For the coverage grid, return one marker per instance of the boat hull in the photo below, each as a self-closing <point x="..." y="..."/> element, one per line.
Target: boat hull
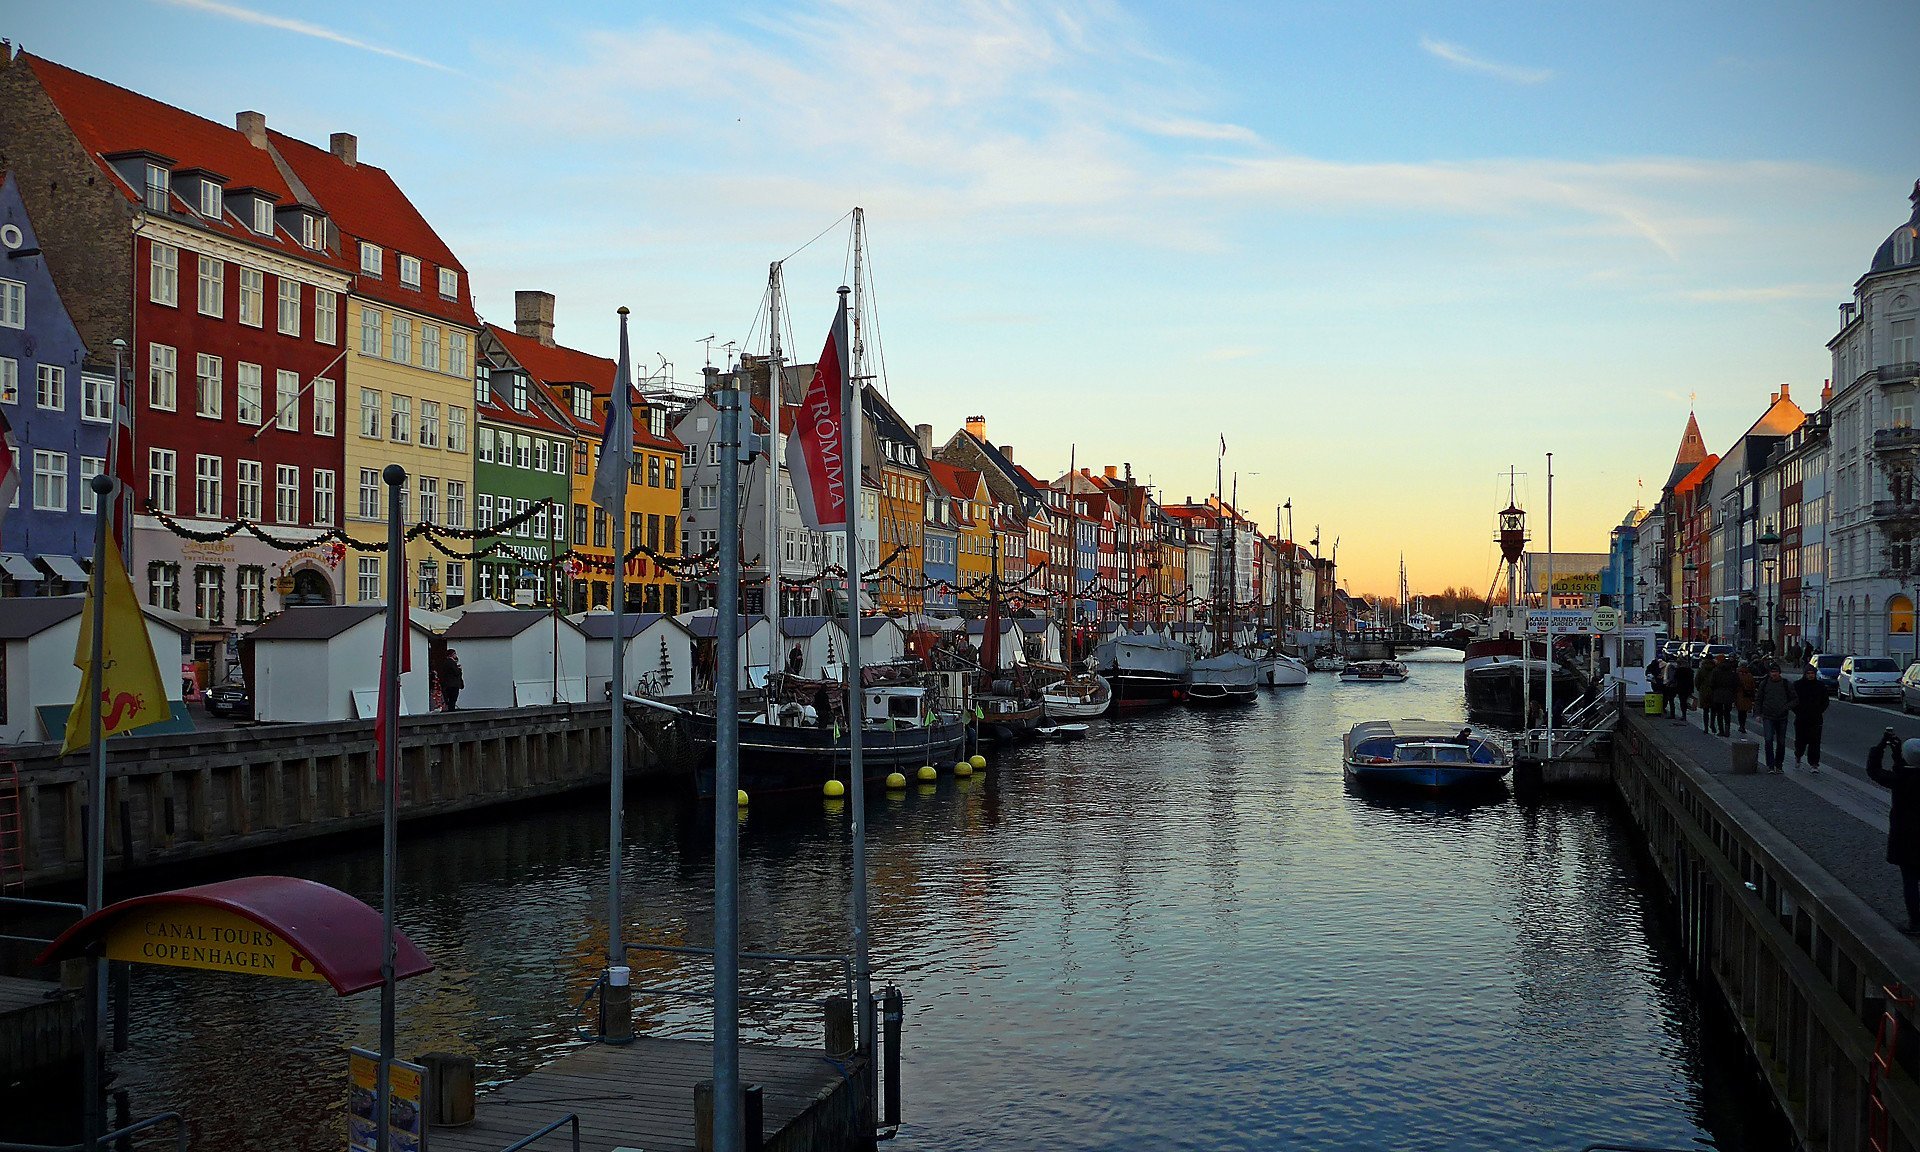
<point x="1140" y="691"/>
<point x="1427" y="777"/>
<point x="1282" y="672"/>
<point x="1064" y="705"/>
<point x="1219" y="695"/>
<point x="1495" y="693"/>
<point x="775" y="760"/>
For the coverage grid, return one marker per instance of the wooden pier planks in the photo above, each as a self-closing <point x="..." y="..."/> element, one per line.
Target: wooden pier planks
<point x="641" y="1096"/>
<point x="39" y="1025"/>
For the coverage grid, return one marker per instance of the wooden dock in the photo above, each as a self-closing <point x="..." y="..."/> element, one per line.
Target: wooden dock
<point x="641" y="1096"/>
<point x="39" y="1025"/>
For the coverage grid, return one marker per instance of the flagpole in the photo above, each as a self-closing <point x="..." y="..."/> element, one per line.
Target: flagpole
<point x="855" y="409"/>
<point x="616" y="1017"/>
<point x="396" y="478"/>
<point x="96" y="1118"/>
<point x="729" y="1131"/>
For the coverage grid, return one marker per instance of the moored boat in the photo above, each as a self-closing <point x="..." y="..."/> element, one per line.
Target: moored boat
<point x="1499" y="688"/>
<point x="1061" y="733"/>
<point x="1279" y="670"/>
<point x="1220" y="681"/>
<point x="1078" y="697"/>
<point x="1373" y="672"/>
<point x="1423" y="754"/>
<point x="1145" y="669"/>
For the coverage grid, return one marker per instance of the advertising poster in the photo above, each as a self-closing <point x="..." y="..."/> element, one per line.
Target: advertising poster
<point x="406" y="1114"/>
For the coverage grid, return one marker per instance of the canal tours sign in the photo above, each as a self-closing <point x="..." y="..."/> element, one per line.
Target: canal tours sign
<point x="276" y="926"/>
<point x="1599" y="621"/>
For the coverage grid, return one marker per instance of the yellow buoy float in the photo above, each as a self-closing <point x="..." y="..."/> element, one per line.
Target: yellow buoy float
<point x="927" y="773"/>
<point x="896" y="780"/>
<point x="963" y="769"/>
<point x="833" y="789"/>
<point x="740" y="798"/>
<point x="978" y="761"/>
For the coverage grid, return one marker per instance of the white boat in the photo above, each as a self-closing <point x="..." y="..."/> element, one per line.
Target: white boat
<point x="1062" y="733"/>
<point x="1078" y="697"/>
<point x="1279" y="670"/>
<point x="1330" y="662"/>
<point x="1373" y="672"/>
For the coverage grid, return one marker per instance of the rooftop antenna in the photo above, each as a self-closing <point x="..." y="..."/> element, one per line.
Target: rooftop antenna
<point x="708" y="341"/>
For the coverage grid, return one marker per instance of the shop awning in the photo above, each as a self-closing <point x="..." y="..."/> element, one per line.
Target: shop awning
<point x="20" y="568"/>
<point x="65" y="567"/>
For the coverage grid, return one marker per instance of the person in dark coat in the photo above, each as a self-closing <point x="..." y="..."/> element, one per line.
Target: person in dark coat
<point x="1773" y="702"/>
<point x="1809" y="716"/>
<point x="1703" y="691"/>
<point x="452" y="680"/>
<point x="1726" y="687"/>
<point x="1680" y="684"/>
<point x="1744" y="693"/>
<point x="1897" y="769"/>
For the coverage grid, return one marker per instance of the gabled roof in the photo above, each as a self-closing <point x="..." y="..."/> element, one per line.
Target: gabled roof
<point x="496" y="625"/>
<point x="1693" y="449"/>
<point x="320" y="622"/>
<point x="1693" y="478"/>
<point x="366" y="204"/>
<point x="799" y="627"/>
<point x="888" y="425"/>
<point x="110" y="120"/>
<point x="599" y="625"/>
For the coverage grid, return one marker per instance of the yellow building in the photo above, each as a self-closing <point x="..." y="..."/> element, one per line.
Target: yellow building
<point x="897" y="461"/>
<point x="972" y="521"/>
<point x="410" y="334"/>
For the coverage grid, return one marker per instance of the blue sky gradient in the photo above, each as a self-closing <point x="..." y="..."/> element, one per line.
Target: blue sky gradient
<point x="1386" y="248"/>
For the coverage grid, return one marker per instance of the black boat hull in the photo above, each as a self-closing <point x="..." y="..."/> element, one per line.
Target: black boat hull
<point x="1138" y="691"/>
<point x="778" y="760"/>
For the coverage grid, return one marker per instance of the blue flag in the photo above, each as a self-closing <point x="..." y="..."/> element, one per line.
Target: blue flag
<point x="616" y="441"/>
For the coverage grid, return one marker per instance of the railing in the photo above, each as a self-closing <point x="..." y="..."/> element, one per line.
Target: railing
<point x="179" y="1136"/>
<point x="7" y="902"/>
<point x="1894" y="439"/>
<point x="572" y="1118"/>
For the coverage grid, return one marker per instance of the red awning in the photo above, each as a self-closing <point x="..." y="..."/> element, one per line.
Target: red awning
<point x="337" y="934"/>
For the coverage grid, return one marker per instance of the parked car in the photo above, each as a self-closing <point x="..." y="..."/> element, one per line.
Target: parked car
<point x="1673" y="648"/>
<point x="1910" y="687"/>
<point x="1695" y="649"/>
<point x="1869" y="676"/>
<point x="1718" y="650"/>
<point x="231" y="698"/>
<point x="1826" y="669"/>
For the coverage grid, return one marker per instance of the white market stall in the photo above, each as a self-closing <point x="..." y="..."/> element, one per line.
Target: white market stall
<point x="38" y="679"/>
<point x="321" y="663"/>
<point x="659" y="653"/>
<point x="821" y="641"/>
<point x="1013" y="651"/>
<point x="517" y="658"/>
<point x="881" y="639"/>
<point x="704" y="624"/>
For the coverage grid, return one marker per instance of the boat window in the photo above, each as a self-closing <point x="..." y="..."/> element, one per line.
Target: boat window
<point x="1453" y="753"/>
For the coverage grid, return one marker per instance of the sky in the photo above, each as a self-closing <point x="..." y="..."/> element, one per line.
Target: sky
<point x="1386" y="250"/>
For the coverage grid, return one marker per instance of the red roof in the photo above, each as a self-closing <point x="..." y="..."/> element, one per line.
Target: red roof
<point x="109" y="120"/>
<point x="1700" y="472"/>
<point x="552" y="365"/>
<point x="367" y="205"/>
<point x="961" y="483"/>
<point x="339" y="935"/>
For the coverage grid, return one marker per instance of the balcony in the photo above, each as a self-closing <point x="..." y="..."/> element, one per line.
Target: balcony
<point x="1896" y="440"/>
<point x="1897" y="373"/>
<point x="1897" y="518"/>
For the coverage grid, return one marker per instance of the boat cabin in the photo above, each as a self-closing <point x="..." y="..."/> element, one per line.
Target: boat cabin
<point x="903" y="705"/>
<point x="1623" y="656"/>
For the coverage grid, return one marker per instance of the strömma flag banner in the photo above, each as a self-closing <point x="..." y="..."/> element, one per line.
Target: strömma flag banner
<point x="817" y="449"/>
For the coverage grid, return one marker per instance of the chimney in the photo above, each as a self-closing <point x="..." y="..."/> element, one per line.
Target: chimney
<point x="345" y="147"/>
<point x="1113" y="473"/>
<point x="1826" y="393"/>
<point x="533" y="316"/>
<point x="1007" y="451"/>
<point x="1786" y="390"/>
<point x="254" y="125"/>
<point x="924" y="434"/>
<point x="977" y="427"/>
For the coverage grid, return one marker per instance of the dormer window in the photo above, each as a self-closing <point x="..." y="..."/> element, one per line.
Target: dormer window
<point x="210" y="200"/>
<point x="158" y="188"/>
<point x="449" y="284"/>
<point x="582" y="399"/>
<point x="313" y="233"/>
<point x="482" y="382"/>
<point x="410" y="272"/>
<point x="263" y="216"/>
<point x="1903" y="246"/>
<point x="369" y="259"/>
<point x="519" y="392"/>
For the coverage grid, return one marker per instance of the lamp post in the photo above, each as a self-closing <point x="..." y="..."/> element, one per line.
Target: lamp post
<point x="1688" y="607"/>
<point x="1769" y="555"/>
<point x="430" y="584"/>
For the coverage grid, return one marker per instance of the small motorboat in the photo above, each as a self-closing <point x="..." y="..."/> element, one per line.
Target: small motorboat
<point x="1279" y="670"/>
<point x="1079" y="697"/>
<point x="1328" y="663"/>
<point x="1061" y="733"/>
<point x="1373" y="672"/>
<point x="1423" y="754"/>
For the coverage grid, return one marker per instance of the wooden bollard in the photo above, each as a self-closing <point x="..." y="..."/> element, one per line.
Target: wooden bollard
<point x="449" y="1088"/>
<point x="751" y="1110"/>
<point x="839" y="1023"/>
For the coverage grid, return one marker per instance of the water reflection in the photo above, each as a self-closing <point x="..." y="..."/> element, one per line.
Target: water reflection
<point x="1185" y="931"/>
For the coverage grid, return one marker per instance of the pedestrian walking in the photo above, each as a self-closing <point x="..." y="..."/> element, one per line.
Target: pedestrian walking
<point x="1897" y="769"/>
<point x="1703" y="692"/>
<point x="1809" y="715"/>
<point x="1680" y="685"/>
<point x="1773" y="702"/>
<point x="1726" y="685"/>
<point x="1743" y="695"/>
<point x="452" y="680"/>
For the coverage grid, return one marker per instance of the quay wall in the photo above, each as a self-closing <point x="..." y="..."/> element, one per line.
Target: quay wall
<point x="188" y="796"/>
<point x="1809" y="971"/>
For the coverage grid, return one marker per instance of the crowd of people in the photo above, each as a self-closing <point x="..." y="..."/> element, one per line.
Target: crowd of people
<point x="1727" y="693"/>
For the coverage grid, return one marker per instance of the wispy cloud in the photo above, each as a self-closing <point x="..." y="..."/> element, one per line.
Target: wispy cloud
<point x="1759" y="293"/>
<point x="1460" y="57"/>
<point x="301" y="28"/>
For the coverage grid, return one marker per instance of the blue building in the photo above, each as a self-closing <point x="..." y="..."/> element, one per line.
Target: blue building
<point x="940" y="558"/>
<point x="1086" y="567"/>
<point x="61" y="413"/>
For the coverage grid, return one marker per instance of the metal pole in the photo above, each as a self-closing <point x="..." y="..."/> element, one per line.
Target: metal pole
<point x="729" y="1130"/>
<point x="396" y="479"/>
<point x="617" y="750"/>
<point x="95" y="1121"/>
<point x="1549" y="669"/>
<point x="856" y="761"/>
<point x="771" y="550"/>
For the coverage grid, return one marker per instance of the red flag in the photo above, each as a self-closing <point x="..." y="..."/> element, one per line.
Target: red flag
<point x="816" y="452"/>
<point x="120" y="463"/>
<point x="9" y="467"/>
<point x="406" y="665"/>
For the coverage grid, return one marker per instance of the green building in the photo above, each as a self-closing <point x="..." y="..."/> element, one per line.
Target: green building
<point x="524" y="453"/>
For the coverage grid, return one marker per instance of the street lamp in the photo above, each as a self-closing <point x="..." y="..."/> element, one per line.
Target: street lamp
<point x="1689" y="604"/>
<point x="1769" y="554"/>
<point x="430" y="578"/>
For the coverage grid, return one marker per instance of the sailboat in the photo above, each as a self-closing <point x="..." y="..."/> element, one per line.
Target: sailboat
<point x="1229" y="676"/>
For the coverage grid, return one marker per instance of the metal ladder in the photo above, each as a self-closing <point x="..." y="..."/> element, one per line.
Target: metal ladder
<point x="1886" y="1046"/>
<point x="13" y="830"/>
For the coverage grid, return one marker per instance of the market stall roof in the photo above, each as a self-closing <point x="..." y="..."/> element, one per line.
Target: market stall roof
<point x="338" y="935"/>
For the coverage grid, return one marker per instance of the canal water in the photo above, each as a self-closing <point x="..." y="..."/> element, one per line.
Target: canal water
<point x="1185" y="932"/>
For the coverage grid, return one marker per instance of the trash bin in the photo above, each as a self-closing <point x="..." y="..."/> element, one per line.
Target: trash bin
<point x="1745" y="757"/>
<point x="1653" y="704"/>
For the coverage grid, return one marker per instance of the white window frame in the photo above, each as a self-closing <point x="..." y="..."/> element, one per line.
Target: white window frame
<point x="262" y="216"/>
<point x="212" y="203"/>
<point x="90" y="466"/>
<point x="369" y="259"/>
<point x="286" y="493"/>
<point x="367" y="575"/>
<point x="456" y="428"/>
<point x="290" y="293"/>
<point x="430" y="347"/>
<point x="402" y="339"/>
<point x="429" y="424"/>
<point x="313" y="233"/>
<point x="158" y="196"/>
<point x="286" y="400"/>
<point x="449" y="284"/>
<point x="372" y="401"/>
<point x="162" y="478"/>
<point x="96" y="398"/>
<point x="325" y="414"/>
<point x="211" y="286"/>
<point x="13" y="303"/>
<point x="9" y="380"/>
<point x="371" y="334"/>
<point x="400" y="430"/>
<point x="323" y="496"/>
<point x="249" y="490"/>
<point x="369" y="493"/>
<point x="456" y="503"/>
<point x="252" y="297"/>
<point x="49" y="481"/>
<point x="50" y="387"/>
<point x="326" y="316"/>
<point x="427" y="490"/>
<point x="163" y="274"/>
<point x="457" y="354"/>
<point x="410" y="272"/>
<point x="248" y="395"/>
<point x="207" y="399"/>
<point x="207" y="493"/>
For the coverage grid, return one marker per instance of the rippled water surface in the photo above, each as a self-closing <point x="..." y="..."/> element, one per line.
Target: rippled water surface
<point x="1185" y="932"/>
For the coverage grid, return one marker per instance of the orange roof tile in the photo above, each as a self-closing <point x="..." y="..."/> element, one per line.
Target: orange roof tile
<point x="554" y="364"/>
<point x="366" y="204"/>
<point x="962" y="483"/>
<point x="1700" y="472"/>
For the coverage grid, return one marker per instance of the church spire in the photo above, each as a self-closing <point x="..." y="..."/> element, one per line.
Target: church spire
<point x="1693" y="448"/>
